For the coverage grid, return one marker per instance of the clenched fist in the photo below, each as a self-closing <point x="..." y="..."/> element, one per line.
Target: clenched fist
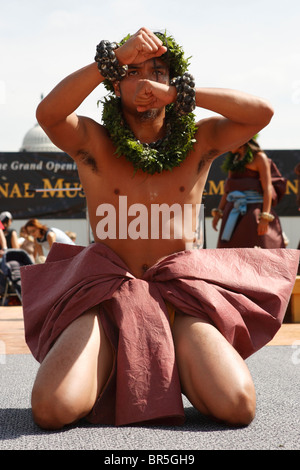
<point x="142" y="46"/>
<point x="151" y="94"/>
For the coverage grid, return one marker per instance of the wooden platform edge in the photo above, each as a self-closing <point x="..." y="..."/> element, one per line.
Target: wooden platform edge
<point x="12" y="338"/>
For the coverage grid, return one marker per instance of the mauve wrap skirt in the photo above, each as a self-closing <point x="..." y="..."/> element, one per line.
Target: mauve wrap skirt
<point x="243" y="292"/>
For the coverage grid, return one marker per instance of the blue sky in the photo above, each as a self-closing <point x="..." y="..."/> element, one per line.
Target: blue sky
<point x="252" y="46"/>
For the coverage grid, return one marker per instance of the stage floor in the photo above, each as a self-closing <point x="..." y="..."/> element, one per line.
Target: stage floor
<point x="12" y="332"/>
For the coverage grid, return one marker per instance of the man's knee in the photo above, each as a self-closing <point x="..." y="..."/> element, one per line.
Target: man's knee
<point x="239" y="408"/>
<point x="226" y="397"/>
<point x="52" y="411"/>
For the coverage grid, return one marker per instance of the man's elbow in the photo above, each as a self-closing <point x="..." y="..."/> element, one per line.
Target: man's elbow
<point x="40" y="113"/>
<point x="266" y="113"/>
<point x="43" y="115"/>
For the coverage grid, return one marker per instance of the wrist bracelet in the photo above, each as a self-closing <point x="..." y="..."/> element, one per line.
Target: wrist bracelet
<point x="107" y="61"/>
<point x="266" y="216"/>
<point x="216" y="211"/>
<point x="185" y="85"/>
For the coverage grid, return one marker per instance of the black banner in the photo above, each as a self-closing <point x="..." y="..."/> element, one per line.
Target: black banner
<point x="24" y="174"/>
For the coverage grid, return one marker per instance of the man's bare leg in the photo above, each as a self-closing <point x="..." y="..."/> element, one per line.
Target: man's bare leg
<point x="214" y="377"/>
<point x="73" y="373"/>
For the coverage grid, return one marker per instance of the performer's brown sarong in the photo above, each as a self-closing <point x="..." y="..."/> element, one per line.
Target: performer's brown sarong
<point x="243" y="292"/>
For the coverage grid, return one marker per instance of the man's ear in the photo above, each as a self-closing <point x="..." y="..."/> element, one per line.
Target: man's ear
<point x="116" y="86"/>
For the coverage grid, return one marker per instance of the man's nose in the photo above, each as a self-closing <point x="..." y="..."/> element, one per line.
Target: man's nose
<point x="147" y="74"/>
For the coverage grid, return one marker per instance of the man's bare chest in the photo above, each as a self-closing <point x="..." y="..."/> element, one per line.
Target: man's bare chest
<point x="118" y="179"/>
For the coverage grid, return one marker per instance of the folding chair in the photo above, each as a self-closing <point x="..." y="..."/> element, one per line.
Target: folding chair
<point x="10" y="273"/>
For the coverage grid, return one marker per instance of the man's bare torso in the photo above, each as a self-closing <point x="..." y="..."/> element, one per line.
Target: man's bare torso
<point x="106" y="179"/>
<point x="109" y="181"/>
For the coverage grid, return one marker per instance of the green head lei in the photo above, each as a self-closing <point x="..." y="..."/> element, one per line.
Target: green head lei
<point x="232" y="161"/>
<point x="174" y="57"/>
<point x="168" y="152"/>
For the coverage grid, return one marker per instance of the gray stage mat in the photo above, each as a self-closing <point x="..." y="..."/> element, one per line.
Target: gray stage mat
<point x="276" y="373"/>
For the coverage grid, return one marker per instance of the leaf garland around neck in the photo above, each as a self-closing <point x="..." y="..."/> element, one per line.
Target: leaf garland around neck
<point x="165" y="154"/>
<point x="234" y="163"/>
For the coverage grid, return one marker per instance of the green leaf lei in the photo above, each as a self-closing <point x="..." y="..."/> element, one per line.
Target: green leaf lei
<point x="164" y="154"/>
<point x="168" y="152"/>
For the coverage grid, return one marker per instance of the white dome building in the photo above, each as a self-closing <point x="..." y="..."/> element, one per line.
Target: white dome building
<point x="36" y="140"/>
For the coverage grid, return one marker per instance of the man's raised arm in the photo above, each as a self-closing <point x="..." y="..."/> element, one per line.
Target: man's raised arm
<point x="241" y="117"/>
<point x="56" y="113"/>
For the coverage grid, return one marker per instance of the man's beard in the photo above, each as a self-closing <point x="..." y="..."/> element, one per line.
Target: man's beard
<point x="148" y="115"/>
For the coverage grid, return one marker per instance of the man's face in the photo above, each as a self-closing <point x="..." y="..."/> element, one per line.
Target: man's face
<point x="153" y="69"/>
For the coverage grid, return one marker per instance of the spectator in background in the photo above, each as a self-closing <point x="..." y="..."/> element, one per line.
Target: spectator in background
<point x="3" y="245"/>
<point x="26" y="243"/>
<point x="71" y="235"/>
<point x="45" y="237"/>
<point x="10" y="233"/>
<point x="253" y="185"/>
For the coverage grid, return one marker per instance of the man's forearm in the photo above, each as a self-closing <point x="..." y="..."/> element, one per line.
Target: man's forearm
<point x="234" y="105"/>
<point x="67" y="96"/>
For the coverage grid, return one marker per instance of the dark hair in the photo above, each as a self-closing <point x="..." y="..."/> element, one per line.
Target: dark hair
<point x="254" y="146"/>
<point x="6" y="220"/>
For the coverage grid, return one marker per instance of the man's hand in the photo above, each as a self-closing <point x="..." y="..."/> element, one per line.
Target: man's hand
<point x="140" y="47"/>
<point x="151" y="95"/>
